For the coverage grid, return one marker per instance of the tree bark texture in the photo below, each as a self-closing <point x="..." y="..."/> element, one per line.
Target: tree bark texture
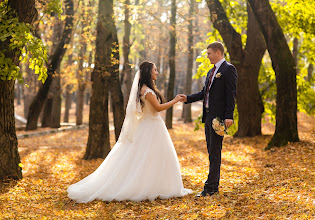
<point x="285" y="69"/>
<point x="98" y="145"/>
<point x="172" y="53"/>
<point x="247" y="62"/>
<point x="190" y="60"/>
<point x="54" y="64"/>
<point x="9" y="155"/>
<point x="127" y="71"/>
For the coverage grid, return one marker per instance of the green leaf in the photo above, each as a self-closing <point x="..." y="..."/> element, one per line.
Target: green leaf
<point x="20" y="36"/>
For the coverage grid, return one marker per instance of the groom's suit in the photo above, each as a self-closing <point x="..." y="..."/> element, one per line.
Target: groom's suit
<point x="221" y="103"/>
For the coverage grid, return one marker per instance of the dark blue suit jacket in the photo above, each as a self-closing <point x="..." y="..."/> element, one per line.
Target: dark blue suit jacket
<point x="221" y="95"/>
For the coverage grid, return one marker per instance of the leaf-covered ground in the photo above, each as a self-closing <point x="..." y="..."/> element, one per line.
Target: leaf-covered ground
<point x="255" y="184"/>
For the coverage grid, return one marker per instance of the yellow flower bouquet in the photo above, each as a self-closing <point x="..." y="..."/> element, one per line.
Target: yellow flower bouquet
<point x="219" y="126"/>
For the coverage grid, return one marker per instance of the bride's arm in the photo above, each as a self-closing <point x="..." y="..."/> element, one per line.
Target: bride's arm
<point x="160" y="107"/>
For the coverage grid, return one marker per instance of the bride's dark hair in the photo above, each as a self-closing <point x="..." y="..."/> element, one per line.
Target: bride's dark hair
<point x="146" y="79"/>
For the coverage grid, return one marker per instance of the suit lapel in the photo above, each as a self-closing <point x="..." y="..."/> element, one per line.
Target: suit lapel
<point x="219" y="70"/>
<point x="223" y="64"/>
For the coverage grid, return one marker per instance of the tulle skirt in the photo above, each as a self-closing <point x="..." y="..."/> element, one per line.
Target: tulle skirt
<point x="147" y="168"/>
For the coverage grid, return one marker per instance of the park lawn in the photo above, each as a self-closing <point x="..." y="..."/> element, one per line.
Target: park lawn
<point x="255" y="184"/>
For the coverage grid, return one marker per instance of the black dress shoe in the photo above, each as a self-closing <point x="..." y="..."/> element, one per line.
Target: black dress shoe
<point x="204" y="193"/>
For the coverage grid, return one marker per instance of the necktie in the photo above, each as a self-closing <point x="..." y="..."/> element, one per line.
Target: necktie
<point x="208" y="87"/>
<point x="210" y="79"/>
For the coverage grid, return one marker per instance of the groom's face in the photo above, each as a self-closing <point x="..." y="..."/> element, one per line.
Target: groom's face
<point x="213" y="56"/>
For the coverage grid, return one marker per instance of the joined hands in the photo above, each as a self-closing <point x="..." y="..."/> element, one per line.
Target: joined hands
<point x="181" y="98"/>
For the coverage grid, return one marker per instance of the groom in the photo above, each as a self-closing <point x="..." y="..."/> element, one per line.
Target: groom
<point x="218" y="97"/>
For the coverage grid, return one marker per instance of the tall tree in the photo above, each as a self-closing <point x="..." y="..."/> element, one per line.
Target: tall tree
<point x="26" y="12"/>
<point x="47" y="109"/>
<point x="19" y="93"/>
<point x="295" y="50"/>
<point x="53" y="101"/>
<point x="172" y="53"/>
<point x="81" y="78"/>
<point x="98" y="145"/>
<point x="126" y="72"/>
<point x="310" y="71"/>
<point x="190" y="60"/>
<point x="247" y="62"/>
<point x="29" y="92"/>
<point x="56" y="90"/>
<point x="68" y="87"/>
<point x="284" y="67"/>
<point x="67" y="103"/>
<point x="117" y="99"/>
<point x="53" y="65"/>
<point x="81" y="72"/>
<point x="56" y="102"/>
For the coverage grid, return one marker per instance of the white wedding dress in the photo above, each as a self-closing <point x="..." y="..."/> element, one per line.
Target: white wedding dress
<point x="145" y="168"/>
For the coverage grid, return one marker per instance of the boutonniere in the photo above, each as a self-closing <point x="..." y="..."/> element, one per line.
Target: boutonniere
<point x="218" y="75"/>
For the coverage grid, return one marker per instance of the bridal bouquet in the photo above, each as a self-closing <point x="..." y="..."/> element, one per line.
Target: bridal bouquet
<point x="219" y="126"/>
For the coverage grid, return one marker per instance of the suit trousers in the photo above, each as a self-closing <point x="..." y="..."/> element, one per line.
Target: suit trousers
<point x="214" y="146"/>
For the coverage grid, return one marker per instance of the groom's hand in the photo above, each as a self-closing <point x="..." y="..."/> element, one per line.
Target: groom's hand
<point x="183" y="98"/>
<point x="228" y="122"/>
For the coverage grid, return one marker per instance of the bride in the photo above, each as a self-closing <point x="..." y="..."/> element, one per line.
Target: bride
<point x="143" y="164"/>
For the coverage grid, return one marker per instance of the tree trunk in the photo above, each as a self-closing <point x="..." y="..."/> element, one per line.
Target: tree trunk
<point x="172" y="52"/>
<point x="46" y="117"/>
<point x="126" y="73"/>
<point x="190" y="60"/>
<point x="117" y="98"/>
<point x="81" y="75"/>
<point x="9" y="155"/>
<point x="67" y="103"/>
<point x="160" y="82"/>
<point x="162" y="65"/>
<point x="158" y="62"/>
<point x="143" y="53"/>
<point x="295" y="53"/>
<point x="67" y="93"/>
<point x="55" y="89"/>
<point x="295" y="50"/>
<point x="52" y="107"/>
<point x="284" y="67"/>
<point x="163" y="78"/>
<point x="87" y="96"/>
<point x="80" y="103"/>
<point x="200" y="81"/>
<point x="309" y="71"/>
<point x="250" y="107"/>
<point x="56" y="102"/>
<point x="247" y="62"/>
<point x="98" y="145"/>
<point x="81" y="84"/>
<point x="18" y="94"/>
<point x="56" y="59"/>
<point x="28" y="91"/>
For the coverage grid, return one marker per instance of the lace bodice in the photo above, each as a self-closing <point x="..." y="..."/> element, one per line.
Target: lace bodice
<point x="148" y="109"/>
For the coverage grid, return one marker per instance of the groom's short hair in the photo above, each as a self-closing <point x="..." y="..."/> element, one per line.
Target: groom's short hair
<point x="215" y="46"/>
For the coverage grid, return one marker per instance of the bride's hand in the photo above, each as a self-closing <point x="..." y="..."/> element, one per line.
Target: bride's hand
<point x="179" y="98"/>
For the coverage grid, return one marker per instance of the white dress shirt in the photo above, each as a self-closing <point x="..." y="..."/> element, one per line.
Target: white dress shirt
<point x="217" y="67"/>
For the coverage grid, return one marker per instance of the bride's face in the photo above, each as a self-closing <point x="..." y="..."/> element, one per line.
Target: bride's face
<point x="154" y="72"/>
